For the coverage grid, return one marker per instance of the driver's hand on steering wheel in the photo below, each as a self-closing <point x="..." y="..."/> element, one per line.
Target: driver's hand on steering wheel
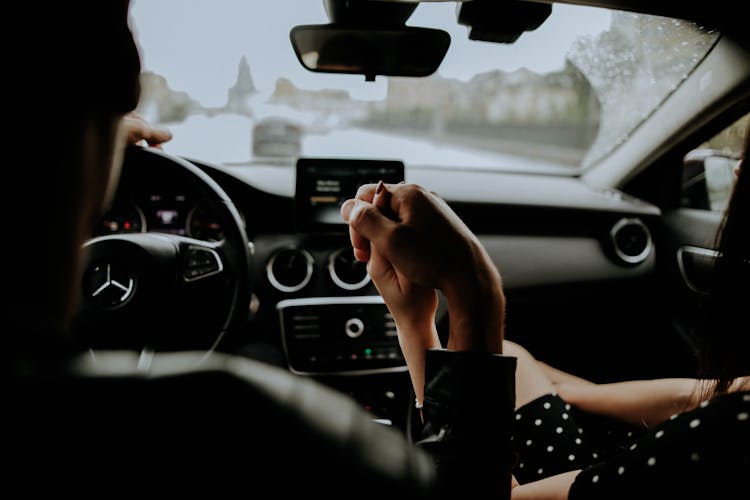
<point x="140" y="132"/>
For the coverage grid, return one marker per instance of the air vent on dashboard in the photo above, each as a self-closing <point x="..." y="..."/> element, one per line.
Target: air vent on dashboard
<point x="346" y="271"/>
<point x="290" y="269"/>
<point x="631" y="240"/>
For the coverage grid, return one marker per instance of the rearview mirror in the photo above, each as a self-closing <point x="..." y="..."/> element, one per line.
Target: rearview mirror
<point x="394" y="51"/>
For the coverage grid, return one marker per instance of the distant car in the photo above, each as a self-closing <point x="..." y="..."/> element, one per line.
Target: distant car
<point x="277" y="137"/>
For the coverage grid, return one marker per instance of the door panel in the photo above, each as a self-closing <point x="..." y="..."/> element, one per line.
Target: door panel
<point x="685" y="258"/>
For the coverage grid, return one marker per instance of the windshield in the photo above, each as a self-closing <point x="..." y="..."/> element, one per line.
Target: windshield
<point x="222" y="75"/>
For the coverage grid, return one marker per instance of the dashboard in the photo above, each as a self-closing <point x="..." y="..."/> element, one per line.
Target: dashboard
<point x="576" y="260"/>
<point x="558" y="243"/>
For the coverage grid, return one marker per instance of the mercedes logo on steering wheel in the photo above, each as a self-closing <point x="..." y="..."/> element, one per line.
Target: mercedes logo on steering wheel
<point x="108" y="285"/>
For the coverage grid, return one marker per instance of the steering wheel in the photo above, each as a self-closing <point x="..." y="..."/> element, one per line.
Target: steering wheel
<point x="166" y="292"/>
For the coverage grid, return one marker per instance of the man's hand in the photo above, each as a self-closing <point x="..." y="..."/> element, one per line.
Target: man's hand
<point x="139" y="132"/>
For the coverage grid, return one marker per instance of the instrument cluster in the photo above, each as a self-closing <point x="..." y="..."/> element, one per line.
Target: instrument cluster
<point x="163" y="212"/>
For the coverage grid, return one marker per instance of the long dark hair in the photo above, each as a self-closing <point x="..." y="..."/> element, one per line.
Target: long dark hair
<point x="724" y="352"/>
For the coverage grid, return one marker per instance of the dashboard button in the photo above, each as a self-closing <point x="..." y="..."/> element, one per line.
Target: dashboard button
<point x="354" y="327"/>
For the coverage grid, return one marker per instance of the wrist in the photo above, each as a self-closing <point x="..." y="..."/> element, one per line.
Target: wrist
<point x="415" y="340"/>
<point x="476" y="307"/>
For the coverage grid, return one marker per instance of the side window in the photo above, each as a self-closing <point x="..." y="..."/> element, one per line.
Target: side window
<point x="709" y="170"/>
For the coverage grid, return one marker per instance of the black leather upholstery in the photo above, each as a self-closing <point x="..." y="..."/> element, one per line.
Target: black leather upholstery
<point x="188" y="424"/>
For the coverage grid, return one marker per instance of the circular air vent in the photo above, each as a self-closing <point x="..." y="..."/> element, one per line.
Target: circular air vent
<point x="631" y="240"/>
<point x="290" y="269"/>
<point x="346" y="271"/>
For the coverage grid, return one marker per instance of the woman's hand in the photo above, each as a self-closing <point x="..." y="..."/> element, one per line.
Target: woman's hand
<point x="413" y="305"/>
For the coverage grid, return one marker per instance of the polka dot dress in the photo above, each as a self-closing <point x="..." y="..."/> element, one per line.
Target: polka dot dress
<point x="551" y="437"/>
<point x="702" y="454"/>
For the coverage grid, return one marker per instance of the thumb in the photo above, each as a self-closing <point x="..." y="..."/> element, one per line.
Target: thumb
<point x="366" y="219"/>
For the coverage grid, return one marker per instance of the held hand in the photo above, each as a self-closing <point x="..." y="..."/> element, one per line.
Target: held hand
<point x="413" y="306"/>
<point x="416" y="231"/>
<point x="427" y="245"/>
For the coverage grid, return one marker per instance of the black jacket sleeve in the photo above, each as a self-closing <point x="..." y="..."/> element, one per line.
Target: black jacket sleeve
<point x="468" y="415"/>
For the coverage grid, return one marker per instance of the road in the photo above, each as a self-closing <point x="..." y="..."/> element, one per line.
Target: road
<point x="226" y="139"/>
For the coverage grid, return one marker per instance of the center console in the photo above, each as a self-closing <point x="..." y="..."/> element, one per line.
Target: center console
<point x="339" y="335"/>
<point x="351" y="344"/>
<point x="333" y="325"/>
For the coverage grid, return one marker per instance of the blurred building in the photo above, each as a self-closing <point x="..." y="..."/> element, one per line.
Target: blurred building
<point x="240" y="94"/>
<point x="160" y="104"/>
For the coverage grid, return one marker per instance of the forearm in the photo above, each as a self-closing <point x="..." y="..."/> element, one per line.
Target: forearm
<point x="638" y="402"/>
<point x="476" y="308"/>
<point x="414" y="341"/>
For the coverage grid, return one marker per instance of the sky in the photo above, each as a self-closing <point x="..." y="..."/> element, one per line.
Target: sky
<point x="197" y="45"/>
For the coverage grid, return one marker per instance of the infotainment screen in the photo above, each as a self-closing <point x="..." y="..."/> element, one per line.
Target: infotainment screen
<point x="324" y="184"/>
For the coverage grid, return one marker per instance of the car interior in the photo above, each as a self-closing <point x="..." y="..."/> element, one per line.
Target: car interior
<point x="599" y="214"/>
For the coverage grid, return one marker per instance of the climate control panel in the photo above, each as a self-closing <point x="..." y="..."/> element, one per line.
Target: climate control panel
<point x="339" y="335"/>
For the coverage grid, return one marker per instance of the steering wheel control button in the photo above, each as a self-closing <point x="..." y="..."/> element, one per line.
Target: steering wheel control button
<point x="354" y="327"/>
<point x="201" y="263"/>
<point x="109" y="285"/>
